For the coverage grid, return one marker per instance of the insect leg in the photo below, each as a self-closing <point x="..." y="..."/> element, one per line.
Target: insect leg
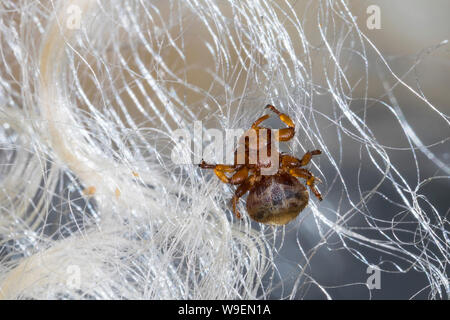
<point x="307" y="157"/>
<point x="219" y="170"/>
<point x="288" y="161"/>
<point x="288" y="133"/>
<point x="257" y="122"/>
<point x="310" y="180"/>
<point x="240" y="176"/>
<point x="240" y="191"/>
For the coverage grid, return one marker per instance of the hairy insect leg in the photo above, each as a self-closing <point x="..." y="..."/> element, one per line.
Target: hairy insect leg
<point x="288" y="161"/>
<point x="219" y="170"/>
<point x="240" y="191"/>
<point x="240" y="176"/>
<point x="307" y="157"/>
<point x="310" y="179"/>
<point x="284" y="134"/>
<point x="261" y="119"/>
<point x="205" y="165"/>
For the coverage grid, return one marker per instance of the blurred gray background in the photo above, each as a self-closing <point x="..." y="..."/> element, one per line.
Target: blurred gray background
<point x="410" y="30"/>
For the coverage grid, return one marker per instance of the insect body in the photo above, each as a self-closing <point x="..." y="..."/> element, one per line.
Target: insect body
<point x="273" y="199"/>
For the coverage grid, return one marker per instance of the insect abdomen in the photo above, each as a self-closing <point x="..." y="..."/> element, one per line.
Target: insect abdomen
<point x="277" y="199"/>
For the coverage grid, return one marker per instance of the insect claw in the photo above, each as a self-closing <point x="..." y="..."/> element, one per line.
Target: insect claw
<point x="271" y="107"/>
